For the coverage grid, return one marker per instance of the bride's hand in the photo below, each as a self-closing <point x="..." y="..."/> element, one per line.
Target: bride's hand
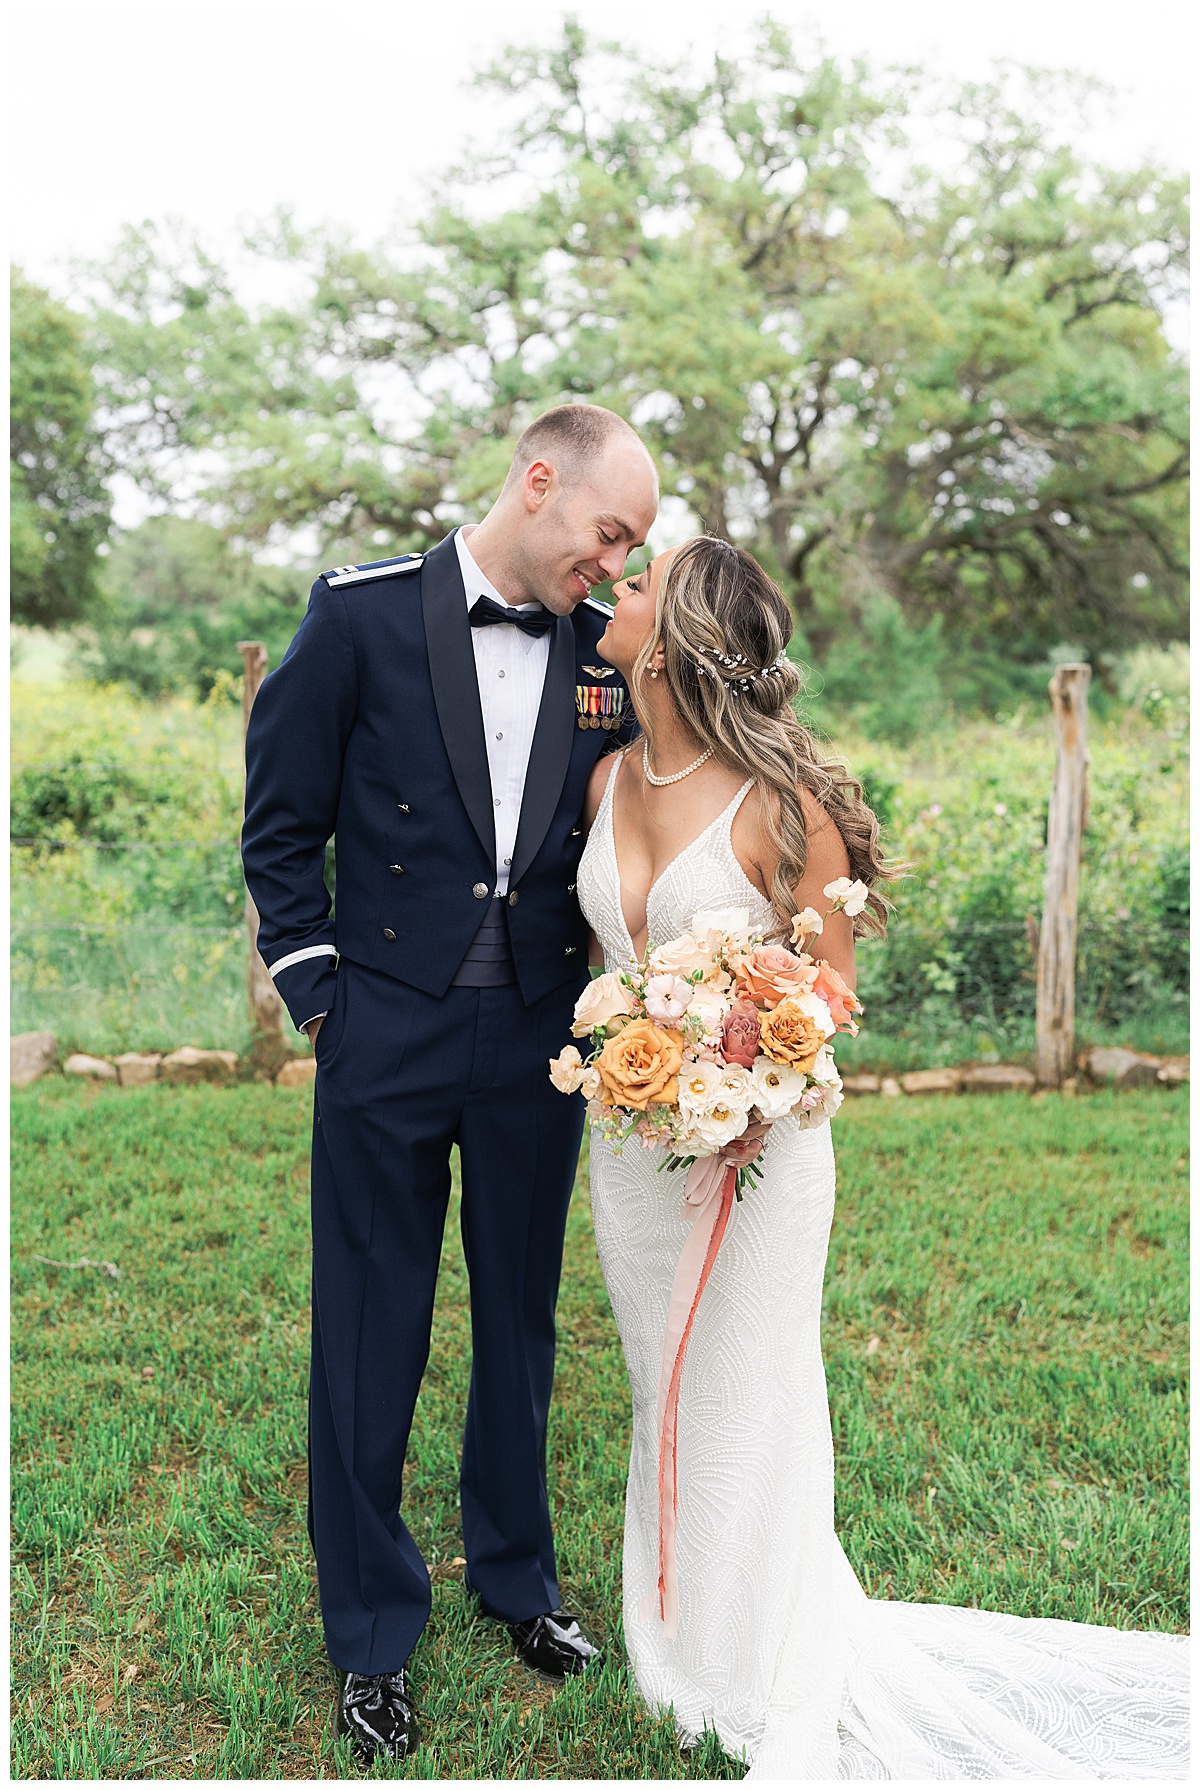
<point x="745" y="1148"/>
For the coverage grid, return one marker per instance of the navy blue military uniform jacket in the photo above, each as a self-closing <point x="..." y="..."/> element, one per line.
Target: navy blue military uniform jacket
<point x="370" y="730"/>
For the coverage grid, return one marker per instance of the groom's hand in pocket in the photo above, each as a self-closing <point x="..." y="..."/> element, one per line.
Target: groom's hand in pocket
<point x="312" y="1028"/>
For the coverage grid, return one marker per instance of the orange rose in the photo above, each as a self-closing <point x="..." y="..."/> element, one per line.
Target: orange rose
<point x="837" y="995"/>
<point x="640" y="1066"/>
<point x="770" y="973"/>
<point x="791" y="1036"/>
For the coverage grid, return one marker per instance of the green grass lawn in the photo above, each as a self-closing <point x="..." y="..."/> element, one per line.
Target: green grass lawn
<point x="1005" y="1339"/>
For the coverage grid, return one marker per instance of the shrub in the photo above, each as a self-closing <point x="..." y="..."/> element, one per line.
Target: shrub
<point x="965" y="808"/>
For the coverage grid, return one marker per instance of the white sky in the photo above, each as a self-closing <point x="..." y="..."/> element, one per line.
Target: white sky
<point x="121" y="110"/>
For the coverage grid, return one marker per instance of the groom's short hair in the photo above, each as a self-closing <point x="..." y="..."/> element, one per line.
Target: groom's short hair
<point x="569" y="435"/>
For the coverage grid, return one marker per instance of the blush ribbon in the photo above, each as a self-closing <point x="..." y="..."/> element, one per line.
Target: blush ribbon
<point x="708" y="1196"/>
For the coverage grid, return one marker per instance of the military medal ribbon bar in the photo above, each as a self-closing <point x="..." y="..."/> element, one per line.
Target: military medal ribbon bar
<point x="599" y="706"/>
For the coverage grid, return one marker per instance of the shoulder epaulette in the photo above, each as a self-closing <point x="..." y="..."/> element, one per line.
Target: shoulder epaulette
<point x="604" y="609"/>
<point x="383" y="568"/>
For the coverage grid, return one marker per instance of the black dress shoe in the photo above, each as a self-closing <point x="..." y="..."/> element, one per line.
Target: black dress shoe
<point x="377" y="1716"/>
<point x="556" y="1645"/>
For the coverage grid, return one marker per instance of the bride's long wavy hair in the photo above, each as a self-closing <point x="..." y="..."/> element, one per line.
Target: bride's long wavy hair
<point x="724" y="627"/>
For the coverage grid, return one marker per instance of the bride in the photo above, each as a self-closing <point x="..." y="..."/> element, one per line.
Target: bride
<point x="776" y="1645"/>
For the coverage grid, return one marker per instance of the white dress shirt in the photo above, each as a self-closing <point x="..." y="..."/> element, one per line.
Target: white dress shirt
<point x="511" y="668"/>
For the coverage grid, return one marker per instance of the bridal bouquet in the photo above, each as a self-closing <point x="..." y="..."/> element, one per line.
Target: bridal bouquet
<point x="713" y="1036"/>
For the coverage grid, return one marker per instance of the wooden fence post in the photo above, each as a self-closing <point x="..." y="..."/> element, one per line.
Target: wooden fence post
<point x="268" y="1015"/>
<point x="1068" y="817"/>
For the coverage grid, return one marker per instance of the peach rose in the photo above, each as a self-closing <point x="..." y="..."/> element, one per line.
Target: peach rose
<point x="603" y="1000"/>
<point x="837" y="995"/>
<point x="679" y="957"/>
<point x="640" y="1066"/>
<point x="770" y="973"/>
<point x="791" y="1036"/>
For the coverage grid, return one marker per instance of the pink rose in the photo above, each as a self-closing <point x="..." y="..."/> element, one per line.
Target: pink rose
<point x="770" y="973"/>
<point x="739" y="1035"/>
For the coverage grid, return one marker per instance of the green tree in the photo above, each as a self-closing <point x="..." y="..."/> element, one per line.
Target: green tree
<point x="945" y="394"/>
<point x="60" y="505"/>
<point x="179" y="600"/>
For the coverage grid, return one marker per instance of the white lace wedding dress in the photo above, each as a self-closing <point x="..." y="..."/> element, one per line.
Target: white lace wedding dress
<point x="779" y="1649"/>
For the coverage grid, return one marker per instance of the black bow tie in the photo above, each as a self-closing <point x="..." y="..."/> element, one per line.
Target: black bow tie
<point x="486" y="614"/>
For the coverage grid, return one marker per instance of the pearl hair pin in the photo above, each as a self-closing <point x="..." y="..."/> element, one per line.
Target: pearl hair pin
<point x="661" y="782"/>
<point x="733" y="662"/>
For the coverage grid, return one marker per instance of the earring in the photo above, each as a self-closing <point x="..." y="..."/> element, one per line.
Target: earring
<point x="654" y="674"/>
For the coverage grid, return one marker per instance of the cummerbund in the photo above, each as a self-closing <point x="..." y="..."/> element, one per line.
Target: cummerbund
<point x="489" y="959"/>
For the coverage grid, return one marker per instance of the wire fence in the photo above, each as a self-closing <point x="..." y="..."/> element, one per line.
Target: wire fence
<point x="109" y="985"/>
<point x="153" y="960"/>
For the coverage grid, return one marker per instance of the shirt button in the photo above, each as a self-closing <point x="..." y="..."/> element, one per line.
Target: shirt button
<point x="507" y="862"/>
<point x="499" y="674"/>
<point x="497" y="801"/>
<point x="499" y="736"/>
<point x="480" y="891"/>
<point x="388" y="933"/>
<point x="513" y="899"/>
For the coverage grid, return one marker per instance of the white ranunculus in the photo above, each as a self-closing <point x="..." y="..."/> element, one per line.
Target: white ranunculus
<point x="699" y="1089"/>
<point x="822" y="1109"/>
<point x="777" y="1089"/>
<point x="688" y="1144"/>
<point x="737" y="1087"/>
<point x="721" y="1125"/>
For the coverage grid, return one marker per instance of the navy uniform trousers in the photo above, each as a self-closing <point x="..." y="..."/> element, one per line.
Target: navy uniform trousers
<point x="401" y="1077"/>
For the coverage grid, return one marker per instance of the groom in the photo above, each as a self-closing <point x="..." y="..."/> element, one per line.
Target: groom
<point x="441" y="715"/>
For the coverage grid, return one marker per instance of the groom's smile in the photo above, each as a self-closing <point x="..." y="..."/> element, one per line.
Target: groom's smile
<point x="567" y="519"/>
<point x="612" y="513"/>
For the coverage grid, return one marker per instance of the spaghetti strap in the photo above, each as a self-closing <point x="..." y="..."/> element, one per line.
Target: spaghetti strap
<point x="617" y="757"/>
<point x="731" y="813"/>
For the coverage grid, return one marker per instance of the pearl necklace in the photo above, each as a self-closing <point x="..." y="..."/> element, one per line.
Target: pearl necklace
<point x="661" y="782"/>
